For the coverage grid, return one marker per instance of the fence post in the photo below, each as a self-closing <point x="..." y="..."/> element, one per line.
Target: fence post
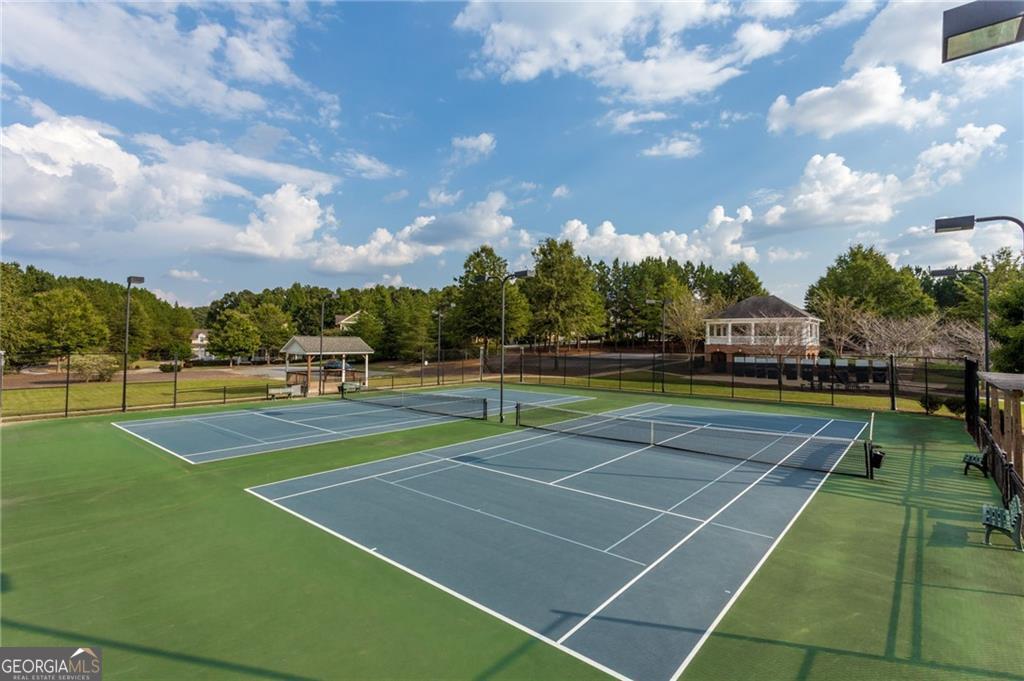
<point x="892" y="382"/>
<point x="174" y="390"/>
<point x="482" y="350"/>
<point x="926" y="382"/>
<point x="732" y="376"/>
<point x="421" y="367"/>
<point x="67" y="383"/>
<point x="832" y="376"/>
<point x="540" y="366"/>
<point x="781" y="367"/>
<point x="465" y="356"/>
<point x="620" y="371"/>
<point x="654" y="369"/>
<point x="691" y="372"/>
<point x="224" y="395"/>
<point x="590" y="362"/>
<point x="565" y="368"/>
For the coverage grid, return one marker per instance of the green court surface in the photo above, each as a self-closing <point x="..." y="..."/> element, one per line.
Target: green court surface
<point x="176" y="572"/>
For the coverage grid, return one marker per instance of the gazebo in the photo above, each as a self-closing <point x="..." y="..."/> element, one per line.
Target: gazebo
<point x="333" y="346"/>
<point x="761" y="325"/>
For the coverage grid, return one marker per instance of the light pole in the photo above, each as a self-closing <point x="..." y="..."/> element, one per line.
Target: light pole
<point x="440" y="315"/>
<point x="323" y="302"/>
<point x="966" y="222"/>
<point x="952" y="272"/>
<point x="127" y="322"/>
<point x="521" y="274"/>
<point x="664" y="304"/>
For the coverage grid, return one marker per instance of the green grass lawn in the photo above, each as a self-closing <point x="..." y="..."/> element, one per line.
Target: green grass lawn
<point x="178" y="573"/>
<point x="94" y="396"/>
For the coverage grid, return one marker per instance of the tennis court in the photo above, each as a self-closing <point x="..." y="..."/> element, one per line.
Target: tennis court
<point x="606" y="535"/>
<point x="227" y="435"/>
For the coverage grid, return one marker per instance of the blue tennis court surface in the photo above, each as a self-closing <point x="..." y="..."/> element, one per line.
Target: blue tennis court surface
<point x="226" y="435"/>
<point x="623" y="554"/>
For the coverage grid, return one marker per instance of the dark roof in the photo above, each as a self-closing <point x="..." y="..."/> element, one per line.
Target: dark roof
<point x="1014" y="382"/>
<point x="333" y="345"/>
<point x="756" y="307"/>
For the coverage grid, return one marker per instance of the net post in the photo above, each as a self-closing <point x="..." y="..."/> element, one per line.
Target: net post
<point x="174" y="397"/>
<point x="519" y="414"/>
<point x="224" y="395"/>
<point x="892" y="382"/>
<point x="67" y="383"/>
<point x="652" y="434"/>
<point x="485" y="408"/>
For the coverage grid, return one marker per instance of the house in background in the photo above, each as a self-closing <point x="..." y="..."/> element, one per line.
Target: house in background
<point x="200" y="340"/>
<point x="761" y="325"/>
<point x="344" y="322"/>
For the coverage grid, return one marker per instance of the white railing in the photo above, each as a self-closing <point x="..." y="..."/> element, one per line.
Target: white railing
<point x="760" y="340"/>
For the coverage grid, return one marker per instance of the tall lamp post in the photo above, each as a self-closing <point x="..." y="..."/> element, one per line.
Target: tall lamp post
<point x="952" y="272"/>
<point x="127" y="323"/>
<point x="521" y="274"/>
<point x="323" y="302"/>
<point x="440" y="315"/>
<point x="966" y="222"/>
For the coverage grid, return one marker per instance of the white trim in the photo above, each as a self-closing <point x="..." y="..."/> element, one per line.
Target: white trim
<point x="725" y="609"/>
<point x="450" y="592"/>
<point x="294" y="423"/>
<point x="748" y="411"/>
<point x="148" y="441"/>
<point x="682" y="541"/>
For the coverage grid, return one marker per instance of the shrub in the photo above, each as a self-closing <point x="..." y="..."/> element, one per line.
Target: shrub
<point x="169" y="367"/>
<point x="94" y="367"/>
<point x="930" y="403"/>
<point x="956" y="405"/>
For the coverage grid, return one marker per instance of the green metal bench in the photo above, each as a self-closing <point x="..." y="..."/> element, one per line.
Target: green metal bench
<point x="976" y="461"/>
<point x="1005" y="520"/>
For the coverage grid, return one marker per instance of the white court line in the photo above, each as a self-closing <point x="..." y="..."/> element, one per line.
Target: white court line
<point x="235" y="411"/>
<point x="682" y="541"/>
<point x="148" y="441"/>
<point x="343" y="435"/>
<point x="228" y="430"/>
<point x="511" y="522"/>
<point x="376" y="410"/>
<point x="694" y="494"/>
<point x="438" y="459"/>
<point x="409" y="454"/>
<point x="451" y="592"/>
<point x="759" y="413"/>
<point x="714" y="624"/>
<point x="294" y="423"/>
<point x="635" y="451"/>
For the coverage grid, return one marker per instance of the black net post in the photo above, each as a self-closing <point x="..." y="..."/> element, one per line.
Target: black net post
<point x="732" y="376"/>
<point x="522" y="356"/>
<point x="691" y="373"/>
<point x="174" y="390"/>
<point x="565" y="368"/>
<point x="892" y="382"/>
<point x="779" y="366"/>
<point x="67" y="383"/>
<point x="926" y="400"/>
<point x="519" y="414"/>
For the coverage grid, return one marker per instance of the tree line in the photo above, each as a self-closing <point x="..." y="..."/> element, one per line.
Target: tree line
<point x="867" y="306"/>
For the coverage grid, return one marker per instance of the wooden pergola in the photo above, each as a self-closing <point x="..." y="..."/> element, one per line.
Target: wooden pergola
<point x="1006" y="391"/>
<point x="333" y="346"/>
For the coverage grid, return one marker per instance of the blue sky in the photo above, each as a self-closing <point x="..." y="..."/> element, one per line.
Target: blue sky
<point x="219" y="147"/>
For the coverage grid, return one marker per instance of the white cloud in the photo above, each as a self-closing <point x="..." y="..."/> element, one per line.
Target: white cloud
<point x="851" y="11"/>
<point x="627" y="121"/>
<point x="285" y="225"/>
<point x="560" y="192"/>
<point x="366" y="166"/>
<point x="438" y="196"/>
<point x="727" y="117"/>
<point x="920" y="245"/>
<point x="396" y="196"/>
<point x="756" y="40"/>
<point x="769" y="9"/>
<point x="718" y="241"/>
<point x="382" y="249"/>
<point x="632" y="49"/>
<point x="681" y="145"/>
<point x="186" y="275"/>
<point x="387" y="280"/>
<point x="779" y="254"/>
<point x="479" y="222"/>
<point x="984" y="80"/>
<point x="774" y="214"/>
<point x="830" y="192"/>
<point x="167" y="296"/>
<point x="872" y="96"/>
<point x="471" y="149"/>
<point x="903" y="33"/>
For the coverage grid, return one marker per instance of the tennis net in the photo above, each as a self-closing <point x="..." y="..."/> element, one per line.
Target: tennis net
<point x="786" y="449"/>
<point x="430" y="403"/>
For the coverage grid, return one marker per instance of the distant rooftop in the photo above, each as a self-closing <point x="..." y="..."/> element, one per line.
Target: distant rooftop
<point x="757" y="307"/>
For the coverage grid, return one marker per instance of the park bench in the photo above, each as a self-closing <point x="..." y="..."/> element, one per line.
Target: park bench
<point x="1005" y="520"/>
<point x="289" y="391"/>
<point x="350" y="387"/>
<point x="977" y="461"/>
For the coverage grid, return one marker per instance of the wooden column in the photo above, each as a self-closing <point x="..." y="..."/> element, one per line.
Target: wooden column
<point x="366" y="370"/>
<point x="309" y="373"/>
<point x="1014" y="432"/>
